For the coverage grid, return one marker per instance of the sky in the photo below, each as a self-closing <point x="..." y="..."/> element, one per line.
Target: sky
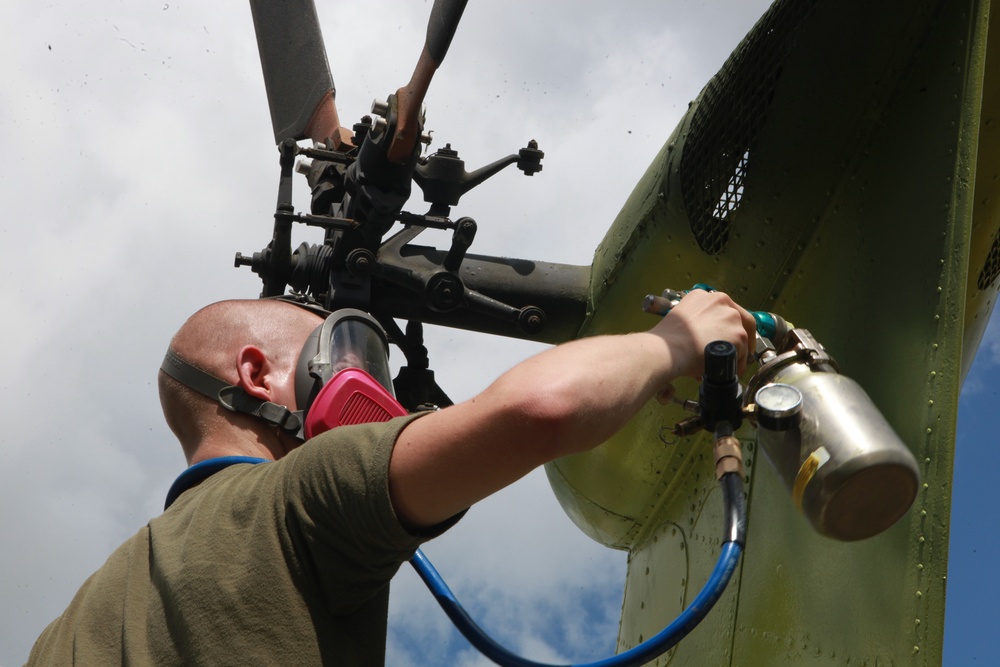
<point x="138" y="159"/>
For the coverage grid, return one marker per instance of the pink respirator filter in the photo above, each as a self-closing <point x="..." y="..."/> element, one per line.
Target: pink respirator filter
<point x="352" y="396"/>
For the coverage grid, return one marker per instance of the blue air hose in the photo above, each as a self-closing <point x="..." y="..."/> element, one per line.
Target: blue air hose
<point x="735" y="519"/>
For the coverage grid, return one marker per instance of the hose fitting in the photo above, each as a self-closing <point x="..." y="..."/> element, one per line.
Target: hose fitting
<point x="728" y="457"/>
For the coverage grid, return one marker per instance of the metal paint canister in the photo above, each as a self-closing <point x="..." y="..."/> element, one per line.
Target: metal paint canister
<point x="847" y="471"/>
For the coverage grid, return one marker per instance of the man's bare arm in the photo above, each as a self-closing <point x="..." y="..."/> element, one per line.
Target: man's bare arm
<point x="565" y="400"/>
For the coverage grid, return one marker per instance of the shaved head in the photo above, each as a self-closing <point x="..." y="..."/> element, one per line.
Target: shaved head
<point x="212" y="340"/>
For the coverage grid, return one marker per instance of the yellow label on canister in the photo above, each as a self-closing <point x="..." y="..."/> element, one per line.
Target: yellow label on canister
<point x="806" y="473"/>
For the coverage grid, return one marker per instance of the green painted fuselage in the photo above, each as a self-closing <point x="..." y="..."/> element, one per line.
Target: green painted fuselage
<point x="841" y="170"/>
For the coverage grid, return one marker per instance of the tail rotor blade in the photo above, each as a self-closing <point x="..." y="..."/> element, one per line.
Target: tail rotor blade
<point x="300" y="90"/>
<point x="445" y="16"/>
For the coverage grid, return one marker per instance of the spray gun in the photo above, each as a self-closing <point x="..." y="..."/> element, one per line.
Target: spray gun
<point x="771" y="328"/>
<point x="847" y="471"/>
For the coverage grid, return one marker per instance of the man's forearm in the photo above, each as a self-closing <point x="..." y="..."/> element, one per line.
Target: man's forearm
<point x="567" y="399"/>
<point x="575" y="396"/>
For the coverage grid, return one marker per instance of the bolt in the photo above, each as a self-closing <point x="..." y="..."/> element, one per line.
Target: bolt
<point x="445" y="291"/>
<point x="443" y="295"/>
<point x="360" y="262"/>
<point x="531" y="320"/>
<point x="447" y="151"/>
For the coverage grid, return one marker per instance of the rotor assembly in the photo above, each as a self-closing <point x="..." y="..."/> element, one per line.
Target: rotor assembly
<point x="361" y="180"/>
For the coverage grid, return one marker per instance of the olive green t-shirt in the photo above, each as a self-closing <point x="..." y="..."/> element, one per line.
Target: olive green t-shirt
<point x="283" y="563"/>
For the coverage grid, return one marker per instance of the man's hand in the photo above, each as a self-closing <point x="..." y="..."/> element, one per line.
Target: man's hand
<point x="700" y="318"/>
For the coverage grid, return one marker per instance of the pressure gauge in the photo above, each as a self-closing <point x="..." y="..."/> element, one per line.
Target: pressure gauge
<point x="778" y="406"/>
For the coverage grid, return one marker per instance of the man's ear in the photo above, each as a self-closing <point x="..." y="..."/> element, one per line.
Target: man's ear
<point x="253" y="368"/>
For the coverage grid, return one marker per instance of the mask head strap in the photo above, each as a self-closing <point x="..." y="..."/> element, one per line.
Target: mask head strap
<point x="233" y="398"/>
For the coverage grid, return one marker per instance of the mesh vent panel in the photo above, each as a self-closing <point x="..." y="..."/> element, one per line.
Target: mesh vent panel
<point x="991" y="268"/>
<point x="719" y="148"/>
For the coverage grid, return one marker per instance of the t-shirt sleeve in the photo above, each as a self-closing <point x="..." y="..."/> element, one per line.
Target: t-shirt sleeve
<point x="338" y="512"/>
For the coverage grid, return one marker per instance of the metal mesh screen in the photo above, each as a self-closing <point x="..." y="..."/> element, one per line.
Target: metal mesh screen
<point x="719" y="148"/>
<point x="991" y="268"/>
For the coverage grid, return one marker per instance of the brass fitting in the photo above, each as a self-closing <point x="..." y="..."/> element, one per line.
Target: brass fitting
<point x="728" y="457"/>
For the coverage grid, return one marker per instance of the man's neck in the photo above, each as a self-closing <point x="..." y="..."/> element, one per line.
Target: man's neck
<point x="238" y="442"/>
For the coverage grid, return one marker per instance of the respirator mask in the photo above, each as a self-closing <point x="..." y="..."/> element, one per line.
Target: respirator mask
<point x="342" y="377"/>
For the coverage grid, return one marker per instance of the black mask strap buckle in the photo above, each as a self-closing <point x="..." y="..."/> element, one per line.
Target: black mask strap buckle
<point x="234" y="399"/>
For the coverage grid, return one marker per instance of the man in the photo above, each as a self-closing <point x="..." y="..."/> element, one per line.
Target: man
<point x="288" y="562"/>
